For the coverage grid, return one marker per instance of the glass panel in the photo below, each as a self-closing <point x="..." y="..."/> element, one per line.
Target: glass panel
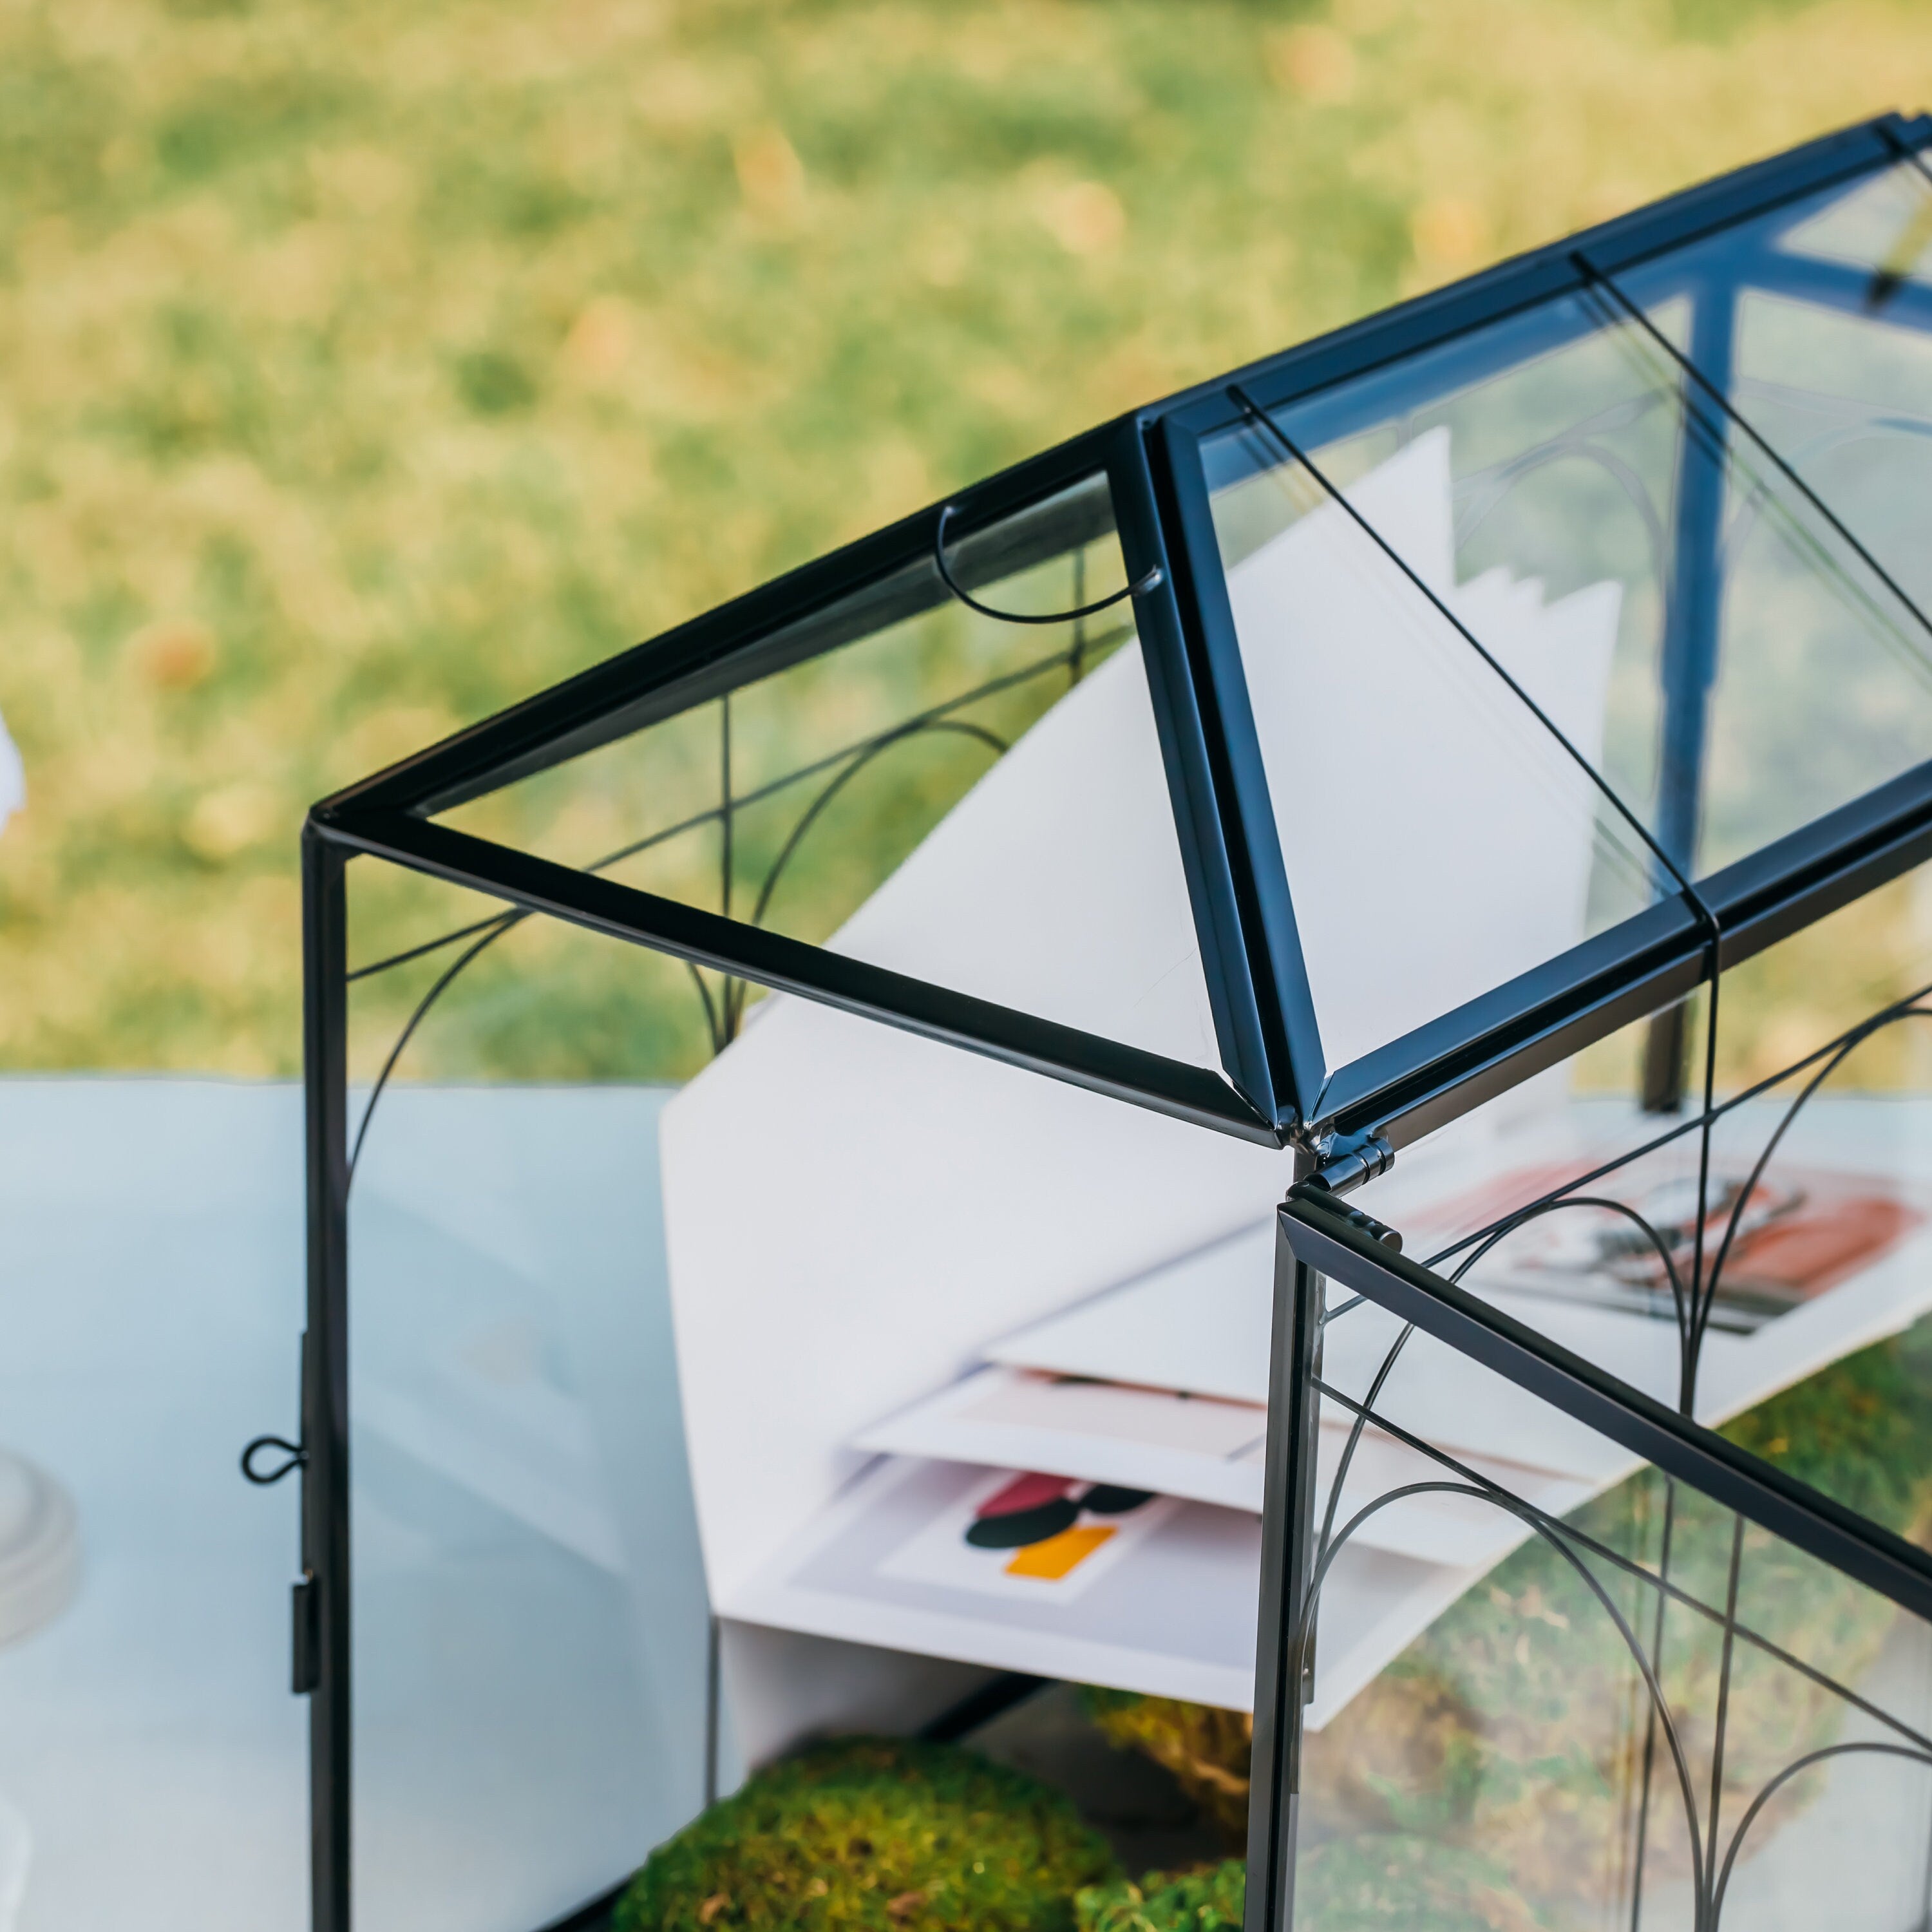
<point x="1604" y="1700"/>
<point x="1475" y="1737"/>
<point x="978" y="803"/>
<point x="1824" y="687"/>
<point x="891" y="1444"/>
<point x="877" y="1243"/>
<point x="1820" y="667"/>
<point x="1583" y="1276"/>
<point x="530" y="1631"/>
<point x="1824" y="983"/>
<point x="1690" y="600"/>
<point x="610" y="1013"/>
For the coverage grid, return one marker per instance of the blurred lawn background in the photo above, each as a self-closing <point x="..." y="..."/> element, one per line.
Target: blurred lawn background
<point x="367" y="368"/>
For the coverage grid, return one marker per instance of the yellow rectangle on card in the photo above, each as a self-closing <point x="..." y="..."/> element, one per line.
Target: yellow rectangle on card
<point x="1051" y="1560"/>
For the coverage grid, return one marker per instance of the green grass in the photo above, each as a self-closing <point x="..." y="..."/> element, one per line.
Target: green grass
<point x="368" y="368"/>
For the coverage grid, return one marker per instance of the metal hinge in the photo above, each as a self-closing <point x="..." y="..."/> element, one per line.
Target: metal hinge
<point x="1349" y="1159"/>
<point x="305" y="1645"/>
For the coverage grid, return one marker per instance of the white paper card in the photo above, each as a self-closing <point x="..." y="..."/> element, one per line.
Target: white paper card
<point x="1210" y="1451"/>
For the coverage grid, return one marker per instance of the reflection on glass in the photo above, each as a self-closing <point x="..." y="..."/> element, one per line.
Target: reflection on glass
<point x="1846" y="399"/>
<point x="1811" y="323"/>
<point x="1561" y="429"/>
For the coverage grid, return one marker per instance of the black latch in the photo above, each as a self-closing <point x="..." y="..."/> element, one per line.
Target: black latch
<point x="1379" y="1231"/>
<point x="1376" y="1231"/>
<point x="305" y="1646"/>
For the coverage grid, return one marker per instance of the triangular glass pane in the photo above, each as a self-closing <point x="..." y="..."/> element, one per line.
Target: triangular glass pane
<point x="1416" y="794"/>
<point x="977" y="803"/>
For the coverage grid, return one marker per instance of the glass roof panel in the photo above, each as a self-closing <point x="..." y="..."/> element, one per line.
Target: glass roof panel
<point x="1580" y="502"/>
<point x="978" y="803"/>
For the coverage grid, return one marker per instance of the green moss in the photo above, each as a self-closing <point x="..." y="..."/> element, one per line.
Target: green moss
<point x="874" y="1835"/>
<point x="1209" y="1901"/>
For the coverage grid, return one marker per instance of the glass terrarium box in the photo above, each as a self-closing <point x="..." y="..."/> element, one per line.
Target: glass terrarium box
<point x="1247" y="1105"/>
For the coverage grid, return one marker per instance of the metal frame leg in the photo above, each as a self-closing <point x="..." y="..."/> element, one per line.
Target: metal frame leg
<point x="1284" y="1664"/>
<point x="322" y="1598"/>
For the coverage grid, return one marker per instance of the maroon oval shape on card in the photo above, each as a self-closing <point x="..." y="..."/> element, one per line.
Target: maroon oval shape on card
<point x="1025" y="1492"/>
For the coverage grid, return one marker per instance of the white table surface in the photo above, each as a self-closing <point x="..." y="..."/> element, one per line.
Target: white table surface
<point x="527" y="1718"/>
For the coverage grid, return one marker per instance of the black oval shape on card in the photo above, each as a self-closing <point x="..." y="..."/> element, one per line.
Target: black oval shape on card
<point x="1022" y="1527"/>
<point x="1110" y="1499"/>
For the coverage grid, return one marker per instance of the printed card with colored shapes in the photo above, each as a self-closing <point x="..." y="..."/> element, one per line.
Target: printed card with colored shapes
<point x="1020" y="1535"/>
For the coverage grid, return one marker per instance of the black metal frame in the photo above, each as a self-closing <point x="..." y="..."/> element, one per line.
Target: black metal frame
<point x="1277" y="1089"/>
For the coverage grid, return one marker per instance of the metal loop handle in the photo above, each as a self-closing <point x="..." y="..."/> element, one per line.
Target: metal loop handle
<point x="1150" y="581"/>
<point x="295" y="1457"/>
